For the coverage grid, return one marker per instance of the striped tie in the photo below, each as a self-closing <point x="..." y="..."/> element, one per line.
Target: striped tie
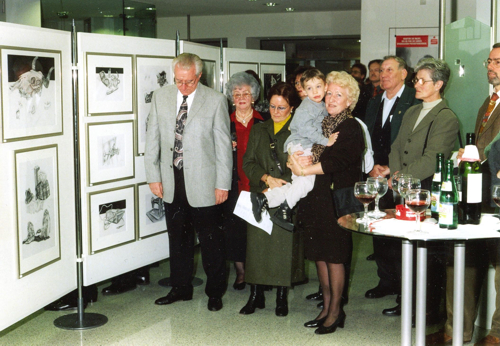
<point x="179" y="129"/>
<point x="491" y="106"/>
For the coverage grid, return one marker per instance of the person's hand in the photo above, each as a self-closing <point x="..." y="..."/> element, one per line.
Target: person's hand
<point x="460" y="153"/>
<point x="156" y="189"/>
<point x="379" y="171"/>
<point x="302" y="160"/>
<point x="275" y="182"/>
<point x="293" y="163"/>
<point x="220" y="196"/>
<point x="332" y="139"/>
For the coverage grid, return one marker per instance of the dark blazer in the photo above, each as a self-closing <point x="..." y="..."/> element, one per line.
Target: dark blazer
<point x="407" y="152"/>
<point x="490" y="130"/>
<point x="406" y="101"/>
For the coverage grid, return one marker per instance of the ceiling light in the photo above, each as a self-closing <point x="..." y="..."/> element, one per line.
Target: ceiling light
<point x="150" y="8"/>
<point x="128" y="16"/>
<point x="63" y="14"/>
<point x="271" y="4"/>
<point x="290" y="9"/>
<point x="108" y="16"/>
<point x="359" y="41"/>
<point x="128" y="8"/>
<point x="252" y="0"/>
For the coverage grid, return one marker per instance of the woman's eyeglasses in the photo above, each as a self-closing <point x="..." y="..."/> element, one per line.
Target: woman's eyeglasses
<point x="420" y="81"/>
<point x="242" y="96"/>
<point x="279" y="108"/>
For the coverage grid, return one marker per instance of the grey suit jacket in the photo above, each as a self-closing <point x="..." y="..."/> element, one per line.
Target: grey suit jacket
<point x="206" y="142"/>
<point x="406" y="151"/>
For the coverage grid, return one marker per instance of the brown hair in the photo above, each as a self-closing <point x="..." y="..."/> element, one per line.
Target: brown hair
<point x="286" y="91"/>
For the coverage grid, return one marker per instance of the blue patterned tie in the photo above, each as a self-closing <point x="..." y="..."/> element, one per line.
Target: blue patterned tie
<point x="179" y="129"/>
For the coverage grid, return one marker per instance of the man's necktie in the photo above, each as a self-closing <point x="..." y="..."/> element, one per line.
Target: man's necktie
<point x="179" y="129"/>
<point x="491" y="106"/>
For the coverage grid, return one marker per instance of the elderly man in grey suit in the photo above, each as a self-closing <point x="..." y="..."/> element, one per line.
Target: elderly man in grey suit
<point x="188" y="163"/>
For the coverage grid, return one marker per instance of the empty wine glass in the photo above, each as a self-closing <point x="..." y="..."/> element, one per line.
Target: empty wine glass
<point x="495" y="195"/>
<point x="415" y="183"/>
<point x="404" y="184"/>
<point x="381" y="184"/>
<point x="365" y="192"/>
<point x="394" y="181"/>
<point x="418" y="201"/>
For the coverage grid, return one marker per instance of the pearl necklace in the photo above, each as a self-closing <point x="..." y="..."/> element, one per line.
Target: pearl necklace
<point x="244" y="119"/>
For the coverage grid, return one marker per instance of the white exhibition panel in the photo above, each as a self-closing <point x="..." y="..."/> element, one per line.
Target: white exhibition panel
<point x="211" y="62"/>
<point x="110" y="194"/>
<point x="37" y="203"/>
<point x="268" y="65"/>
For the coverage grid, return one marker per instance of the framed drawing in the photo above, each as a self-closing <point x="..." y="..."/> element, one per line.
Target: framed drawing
<point x="208" y="74"/>
<point x="37" y="204"/>
<point x="151" y="218"/>
<point x="110" y="151"/>
<point x="152" y="73"/>
<point x="242" y="67"/>
<point x="109" y="84"/>
<point x="111" y="218"/>
<point x="31" y="93"/>
<point x="271" y="74"/>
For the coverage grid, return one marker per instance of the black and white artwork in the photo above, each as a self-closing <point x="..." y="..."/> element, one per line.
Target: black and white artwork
<point x="208" y="74"/>
<point x="111" y="218"/>
<point x="271" y="74"/>
<point x="109" y="84"/>
<point x="110" y="152"/>
<point x="37" y="207"/>
<point x="269" y="80"/>
<point x="152" y="74"/>
<point x="151" y="212"/>
<point x="31" y="94"/>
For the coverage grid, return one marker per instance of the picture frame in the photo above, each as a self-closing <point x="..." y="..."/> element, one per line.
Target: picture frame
<point x="37" y="207"/>
<point x="271" y="74"/>
<point x="111" y="218"/>
<point x="208" y="77"/>
<point x="152" y="73"/>
<point x="151" y="214"/>
<point x="109" y="84"/>
<point x="237" y="66"/>
<point x="110" y="152"/>
<point x="31" y="89"/>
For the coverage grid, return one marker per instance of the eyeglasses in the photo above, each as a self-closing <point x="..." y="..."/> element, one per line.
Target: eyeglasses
<point x="495" y="62"/>
<point x="186" y="83"/>
<point x="278" y="109"/>
<point x="420" y="81"/>
<point x="242" y="96"/>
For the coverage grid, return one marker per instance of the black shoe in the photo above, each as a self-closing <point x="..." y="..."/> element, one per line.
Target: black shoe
<point x="240" y="286"/>
<point x="395" y="311"/>
<point x="321" y="304"/>
<point x="64" y="305"/>
<point x="283" y="217"/>
<point x="175" y="295"/>
<point x="331" y="329"/>
<point x="118" y="288"/>
<point x="281" y="301"/>
<point x="379" y="292"/>
<point x="371" y="257"/>
<point x="315" y="296"/>
<point x="315" y="323"/>
<point x="142" y="279"/>
<point x="259" y="203"/>
<point x="255" y="301"/>
<point x="214" y="304"/>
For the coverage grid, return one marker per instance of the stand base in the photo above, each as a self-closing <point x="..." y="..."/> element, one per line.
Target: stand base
<point x="165" y="282"/>
<point x="72" y="322"/>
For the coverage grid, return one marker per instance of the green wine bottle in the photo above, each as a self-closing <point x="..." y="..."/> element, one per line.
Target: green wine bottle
<point x="448" y="200"/>
<point x="437" y="180"/>
<point x="470" y="172"/>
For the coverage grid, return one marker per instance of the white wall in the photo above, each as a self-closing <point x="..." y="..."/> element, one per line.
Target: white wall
<point x="27" y="12"/>
<point x="236" y="28"/>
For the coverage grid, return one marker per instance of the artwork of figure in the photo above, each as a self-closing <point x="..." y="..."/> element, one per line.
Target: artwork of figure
<point x="34" y="203"/>
<point x="30" y="83"/>
<point x="112" y="215"/>
<point x="109" y="151"/>
<point x="110" y="80"/>
<point x="269" y="80"/>
<point x="42" y="233"/>
<point x="157" y="212"/>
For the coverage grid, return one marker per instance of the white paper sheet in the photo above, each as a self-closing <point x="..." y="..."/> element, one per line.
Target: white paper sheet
<point x="243" y="209"/>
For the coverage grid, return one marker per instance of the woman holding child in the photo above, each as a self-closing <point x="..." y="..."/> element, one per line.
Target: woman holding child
<point x="274" y="259"/>
<point x="326" y="242"/>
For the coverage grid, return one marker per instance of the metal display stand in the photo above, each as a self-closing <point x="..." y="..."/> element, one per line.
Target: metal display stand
<point x="80" y="320"/>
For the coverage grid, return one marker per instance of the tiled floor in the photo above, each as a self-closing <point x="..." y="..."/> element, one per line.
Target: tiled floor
<point x="134" y="319"/>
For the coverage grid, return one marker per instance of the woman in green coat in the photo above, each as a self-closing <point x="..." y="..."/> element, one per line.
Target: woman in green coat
<point x="276" y="259"/>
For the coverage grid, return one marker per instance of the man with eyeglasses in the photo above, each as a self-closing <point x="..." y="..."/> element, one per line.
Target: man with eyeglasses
<point x="188" y="162"/>
<point x="383" y="118"/>
<point x="476" y="258"/>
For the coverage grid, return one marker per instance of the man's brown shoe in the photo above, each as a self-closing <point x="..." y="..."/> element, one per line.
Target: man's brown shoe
<point x="440" y="338"/>
<point x="489" y="340"/>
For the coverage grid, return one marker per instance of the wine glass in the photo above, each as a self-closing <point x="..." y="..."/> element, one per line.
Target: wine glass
<point x="366" y="193"/>
<point x="404" y="184"/>
<point x="381" y="184"/>
<point x="415" y="184"/>
<point x="495" y="196"/>
<point x="418" y="200"/>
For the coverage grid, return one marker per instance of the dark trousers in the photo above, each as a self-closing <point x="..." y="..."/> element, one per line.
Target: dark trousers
<point x="182" y="221"/>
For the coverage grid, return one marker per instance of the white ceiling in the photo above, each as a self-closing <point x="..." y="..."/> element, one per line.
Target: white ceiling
<point x="81" y="9"/>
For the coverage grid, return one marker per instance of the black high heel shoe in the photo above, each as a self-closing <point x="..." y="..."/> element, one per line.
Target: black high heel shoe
<point x="315" y="323"/>
<point x="239" y="286"/>
<point x="332" y="328"/>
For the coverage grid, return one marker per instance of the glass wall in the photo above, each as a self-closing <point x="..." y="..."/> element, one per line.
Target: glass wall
<point x="113" y="17"/>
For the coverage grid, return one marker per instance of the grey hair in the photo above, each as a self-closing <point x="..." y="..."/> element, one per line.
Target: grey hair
<point x="187" y="60"/>
<point x="438" y="69"/>
<point x="240" y="79"/>
<point x="401" y="62"/>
